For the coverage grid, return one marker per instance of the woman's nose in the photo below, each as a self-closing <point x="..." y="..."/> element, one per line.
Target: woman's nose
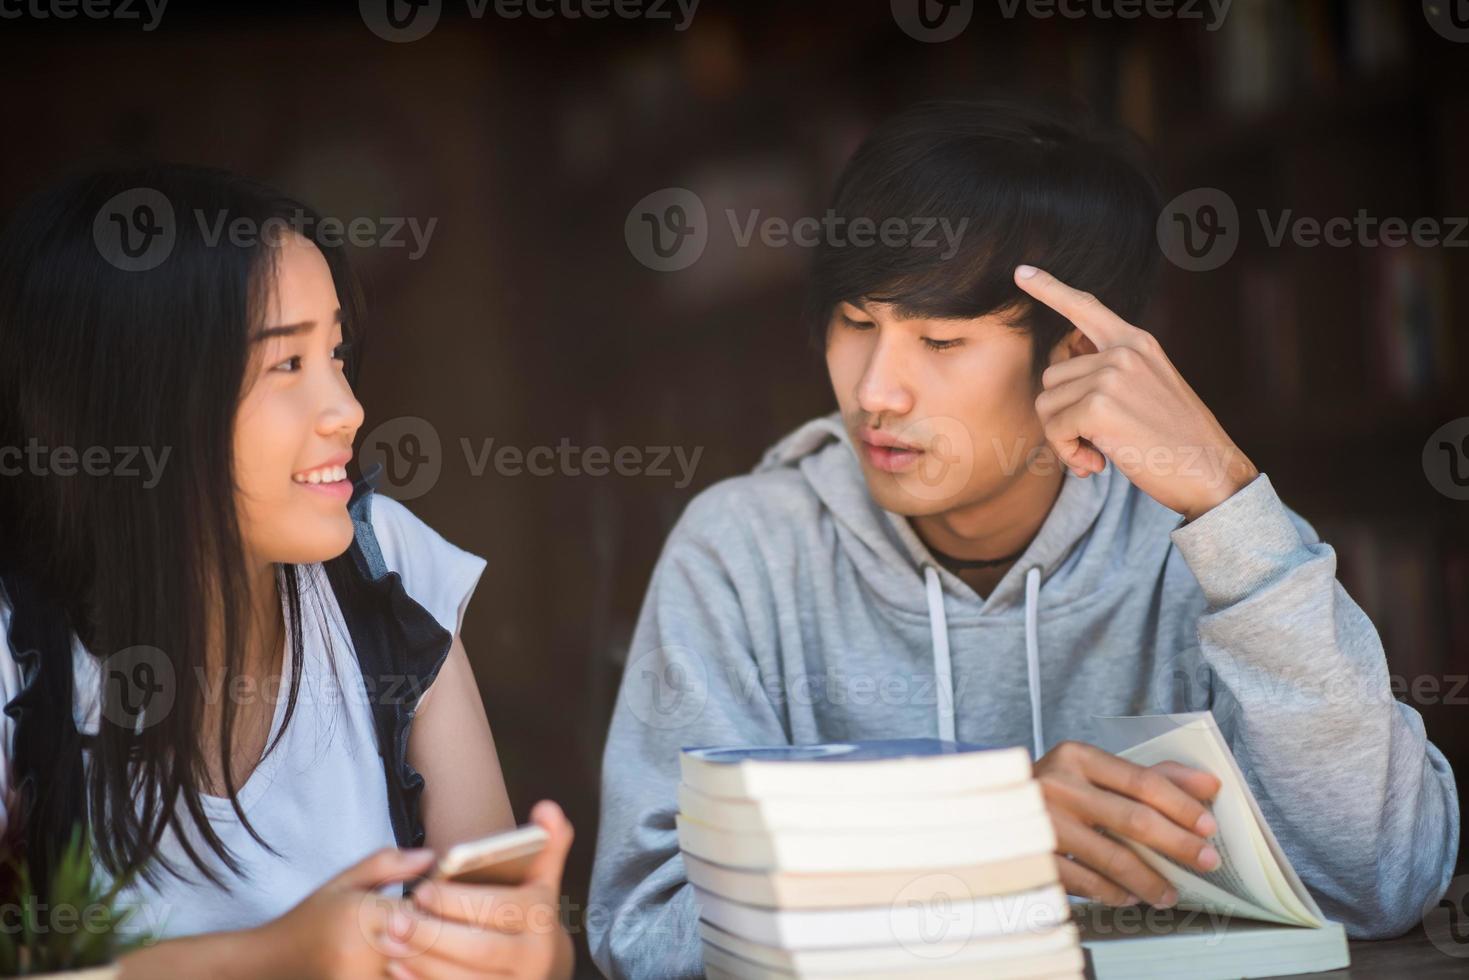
<point x="342" y="411"/>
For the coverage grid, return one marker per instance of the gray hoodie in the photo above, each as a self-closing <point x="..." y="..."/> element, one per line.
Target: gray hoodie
<point x="788" y="607"/>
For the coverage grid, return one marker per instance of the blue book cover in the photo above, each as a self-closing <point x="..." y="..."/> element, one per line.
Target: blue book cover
<point x="864" y="751"/>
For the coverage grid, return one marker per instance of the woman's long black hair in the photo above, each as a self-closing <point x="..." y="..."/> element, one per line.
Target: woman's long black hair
<point x="127" y="301"/>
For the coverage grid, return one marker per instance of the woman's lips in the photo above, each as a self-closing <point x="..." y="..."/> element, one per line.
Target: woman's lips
<point x="892" y="459"/>
<point x="336" y="490"/>
<point x="329" y="479"/>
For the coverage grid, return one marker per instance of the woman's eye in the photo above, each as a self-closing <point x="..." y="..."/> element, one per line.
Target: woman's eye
<point x="342" y="351"/>
<point x="932" y="344"/>
<point x="290" y="365"/>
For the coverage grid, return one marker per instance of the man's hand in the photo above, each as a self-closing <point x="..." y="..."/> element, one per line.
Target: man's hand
<point x="1128" y="402"/>
<point x="1086" y="789"/>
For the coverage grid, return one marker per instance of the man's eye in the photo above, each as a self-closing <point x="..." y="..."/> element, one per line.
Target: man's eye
<point x="932" y="344"/>
<point x="857" y="324"/>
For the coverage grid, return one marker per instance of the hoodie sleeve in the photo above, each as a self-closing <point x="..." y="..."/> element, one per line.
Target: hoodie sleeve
<point x="1362" y="802"/>
<point x="691" y="679"/>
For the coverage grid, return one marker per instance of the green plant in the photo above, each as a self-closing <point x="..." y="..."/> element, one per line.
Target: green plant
<point x="78" y="926"/>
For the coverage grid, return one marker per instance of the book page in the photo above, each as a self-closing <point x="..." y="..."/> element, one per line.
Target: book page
<point x="1224" y="894"/>
<point x="1243" y="884"/>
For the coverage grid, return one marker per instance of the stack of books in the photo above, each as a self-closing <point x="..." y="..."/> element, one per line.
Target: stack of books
<point x="901" y="858"/>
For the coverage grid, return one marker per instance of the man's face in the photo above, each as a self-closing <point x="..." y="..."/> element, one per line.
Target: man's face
<point x="941" y="412"/>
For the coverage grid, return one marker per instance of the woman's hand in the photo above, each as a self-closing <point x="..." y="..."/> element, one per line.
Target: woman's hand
<point x="346" y="929"/>
<point x="469" y="931"/>
<point x="1088" y="790"/>
<point x="341" y="931"/>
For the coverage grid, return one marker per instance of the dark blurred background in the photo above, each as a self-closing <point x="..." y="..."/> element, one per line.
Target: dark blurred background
<point x="528" y="320"/>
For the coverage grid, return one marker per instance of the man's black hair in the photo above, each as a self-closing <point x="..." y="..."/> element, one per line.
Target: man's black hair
<point x="1037" y="185"/>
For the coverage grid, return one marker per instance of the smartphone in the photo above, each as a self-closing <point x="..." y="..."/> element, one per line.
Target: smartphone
<point x="499" y="859"/>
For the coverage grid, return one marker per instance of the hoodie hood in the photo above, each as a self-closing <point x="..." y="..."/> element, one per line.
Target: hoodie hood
<point x="903" y="571"/>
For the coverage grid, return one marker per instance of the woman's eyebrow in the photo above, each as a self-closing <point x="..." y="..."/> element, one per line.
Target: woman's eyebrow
<point x="291" y="329"/>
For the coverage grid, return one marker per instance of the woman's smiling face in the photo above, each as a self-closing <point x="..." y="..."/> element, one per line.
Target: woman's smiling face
<point x="297" y="419"/>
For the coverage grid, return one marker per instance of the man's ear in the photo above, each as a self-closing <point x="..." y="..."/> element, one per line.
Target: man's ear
<point x="1074" y="344"/>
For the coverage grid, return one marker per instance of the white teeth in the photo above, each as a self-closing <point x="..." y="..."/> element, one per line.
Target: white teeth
<point x="325" y="474"/>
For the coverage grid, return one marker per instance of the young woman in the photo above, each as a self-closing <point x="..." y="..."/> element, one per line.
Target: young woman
<point x="248" y="694"/>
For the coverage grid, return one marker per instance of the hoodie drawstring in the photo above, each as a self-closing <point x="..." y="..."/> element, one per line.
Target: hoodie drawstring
<point x="1033" y="658"/>
<point x="943" y="671"/>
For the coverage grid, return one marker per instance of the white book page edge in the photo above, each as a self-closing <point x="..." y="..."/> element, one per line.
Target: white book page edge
<point x="1127" y="731"/>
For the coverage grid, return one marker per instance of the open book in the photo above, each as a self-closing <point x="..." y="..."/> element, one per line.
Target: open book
<point x="1254" y="880"/>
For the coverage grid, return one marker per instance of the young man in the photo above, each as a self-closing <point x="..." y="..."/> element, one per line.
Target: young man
<point x="921" y="564"/>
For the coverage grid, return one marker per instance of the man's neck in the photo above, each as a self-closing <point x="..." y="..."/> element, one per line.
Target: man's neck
<point x="997" y="526"/>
